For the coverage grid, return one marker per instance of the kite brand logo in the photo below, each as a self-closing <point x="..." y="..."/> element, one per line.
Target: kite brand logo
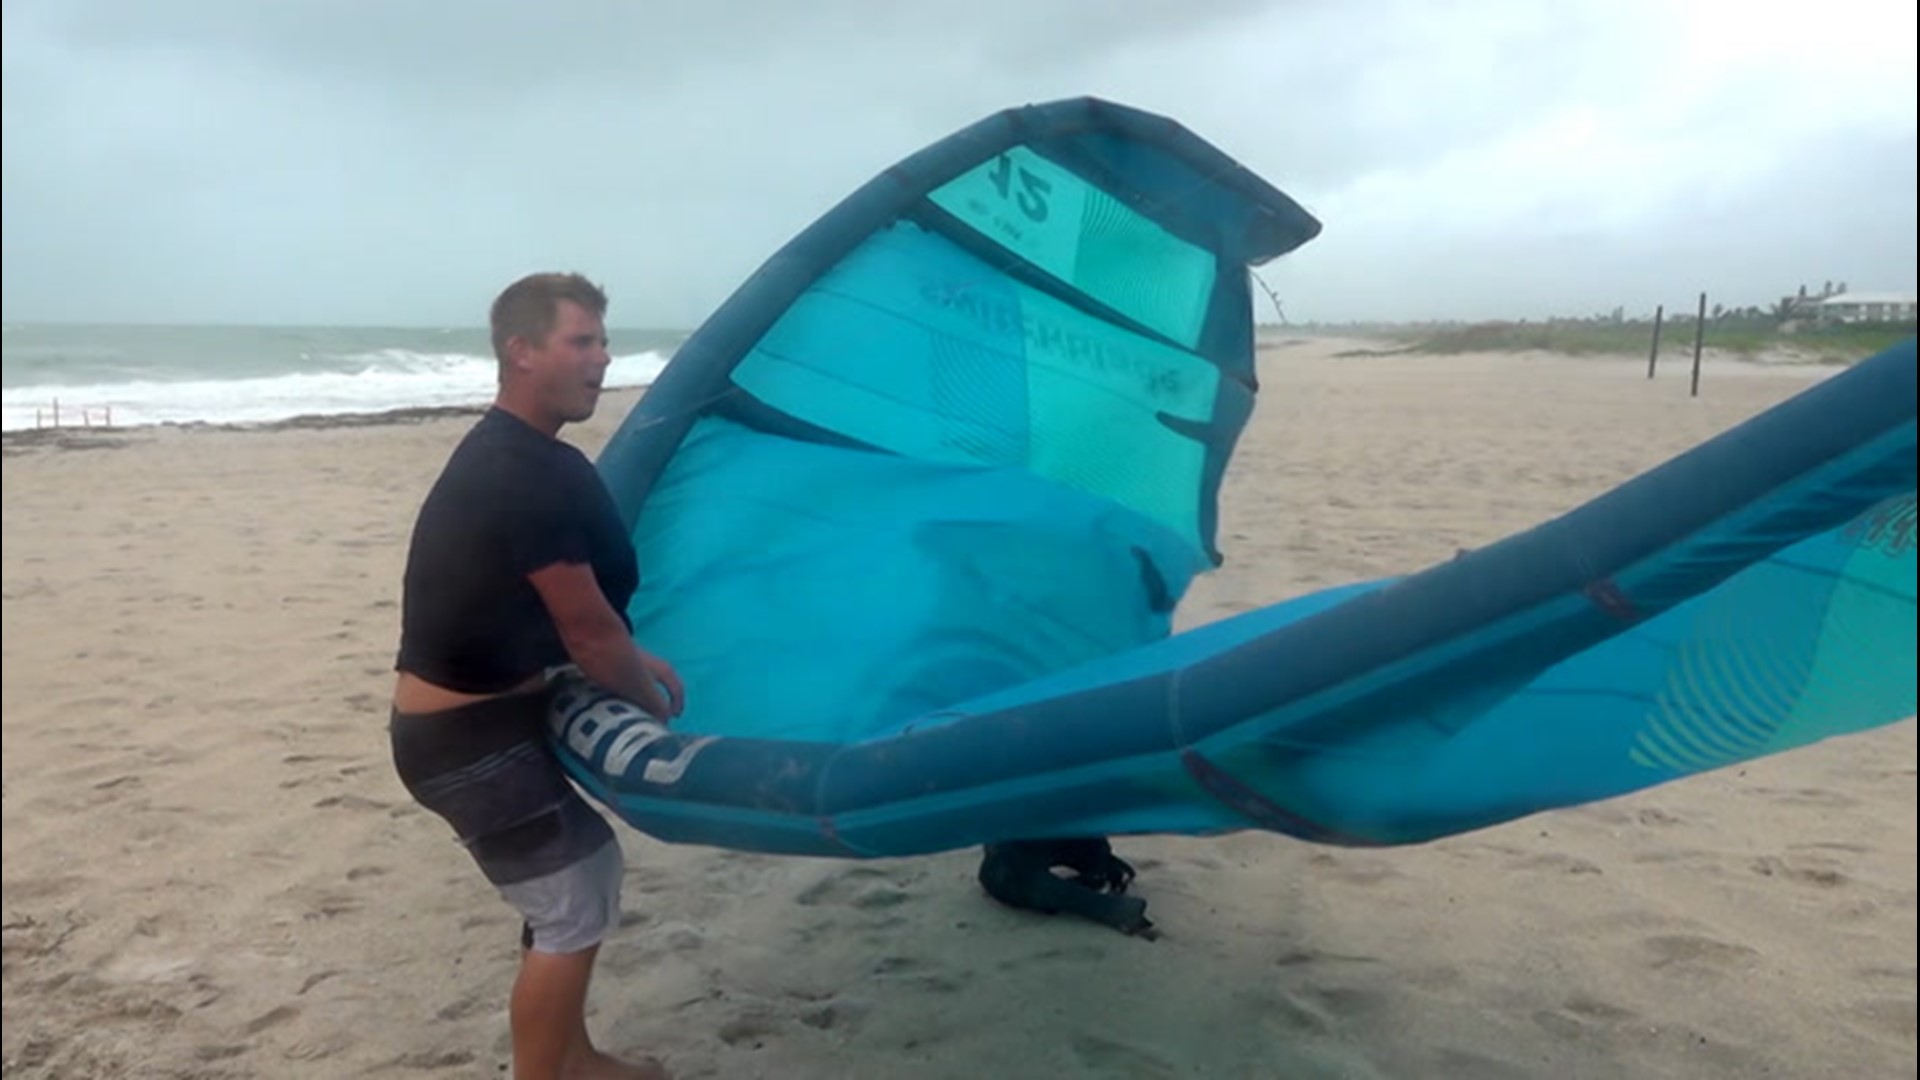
<point x="591" y="721"/>
<point x="1887" y="528"/>
<point x="1156" y="381"/>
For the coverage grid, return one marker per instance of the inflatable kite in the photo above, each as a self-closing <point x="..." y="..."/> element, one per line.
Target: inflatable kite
<point x="916" y="504"/>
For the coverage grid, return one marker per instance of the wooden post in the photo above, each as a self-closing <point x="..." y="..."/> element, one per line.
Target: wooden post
<point x="1653" y="355"/>
<point x="1699" y="338"/>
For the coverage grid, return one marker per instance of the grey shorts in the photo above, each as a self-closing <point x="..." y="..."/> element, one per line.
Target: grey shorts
<point x="487" y="770"/>
<point x="573" y="908"/>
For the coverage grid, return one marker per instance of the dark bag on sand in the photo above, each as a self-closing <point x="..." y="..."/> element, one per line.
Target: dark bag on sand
<point x="1019" y="873"/>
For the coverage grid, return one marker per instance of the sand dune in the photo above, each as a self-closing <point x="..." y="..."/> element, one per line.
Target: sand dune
<point x="211" y="871"/>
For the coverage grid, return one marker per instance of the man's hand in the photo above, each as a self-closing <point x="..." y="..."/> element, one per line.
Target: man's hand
<point x="666" y="697"/>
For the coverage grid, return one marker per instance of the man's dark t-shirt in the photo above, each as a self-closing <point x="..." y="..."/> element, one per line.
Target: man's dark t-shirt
<point x="510" y="501"/>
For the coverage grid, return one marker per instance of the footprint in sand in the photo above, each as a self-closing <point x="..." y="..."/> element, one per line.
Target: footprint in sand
<point x="1068" y="954"/>
<point x="628" y="958"/>
<point x="634" y="954"/>
<point x="320" y="902"/>
<point x="1109" y="1057"/>
<point x="830" y="1017"/>
<point x="1904" y="973"/>
<point x="433" y="1060"/>
<point x="1583" y="1017"/>
<point x="644" y="879"/>
<point x="752" y="1028"/>
<point x="825" y="1010"/>
<point x="1697" y="860"/>
<point x="468" y="1005"/>
<point x="1832" y="845"/>
<point x="27" y="937"/>
<point x="98" y="776"/>
<point x="318" y="1047"/>
<point x="1291" y="1015"/>
<point x="1452" y="1062"/>
<point x="1894" y="1017"/>
<point x="1435" y="978"/>
<point x="134" y="1005"/>
<point x="862" y="887"/>
<point x="1299" y="957"/>
<point x="351" y="802"/>
<point x="1805" y="870"/>
<point x="730" y="873"/>
<point x="211" y="1052"/>
<point x="316" y="979"/>
<point x="489" y="920"/>
<point x="897" y="965"/>
<point x="1352" y="870"/>
<point x="313" y="759"/>
<point x="37" y="1050"/>
<point x="1346" y="1001"/>
<point x="1859" y="909"/>
<point x="159" y="925"/>
<point x="914" y="972"/>
<point x="46" y="888"/>
<point x="1820" y="797"/>
<point x="1697" y="952"/>
<point x="272" y="1018"/>
<point x="1554" y="862"/>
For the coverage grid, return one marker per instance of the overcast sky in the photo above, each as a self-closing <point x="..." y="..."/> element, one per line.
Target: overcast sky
<point x="397" y="161"/>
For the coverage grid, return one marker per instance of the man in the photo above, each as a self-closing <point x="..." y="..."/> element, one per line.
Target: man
<point x="518" y="567"/>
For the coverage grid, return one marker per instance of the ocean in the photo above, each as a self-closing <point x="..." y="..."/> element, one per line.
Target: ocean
<point x="129" y="376"/>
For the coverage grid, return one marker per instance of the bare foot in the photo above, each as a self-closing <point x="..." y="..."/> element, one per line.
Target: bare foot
<point x="600" y="1066"/>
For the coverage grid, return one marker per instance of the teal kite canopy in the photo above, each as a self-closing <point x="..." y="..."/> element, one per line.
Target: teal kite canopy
<point x="916" y="504"/>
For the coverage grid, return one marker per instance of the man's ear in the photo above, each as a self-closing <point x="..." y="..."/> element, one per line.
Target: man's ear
<point x="517" y="352"/>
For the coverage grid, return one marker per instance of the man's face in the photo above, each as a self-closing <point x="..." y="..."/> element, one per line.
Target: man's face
<point x="567" y="368"/>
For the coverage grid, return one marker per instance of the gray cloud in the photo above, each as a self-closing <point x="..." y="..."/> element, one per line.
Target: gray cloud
<point x="395" y="162"/>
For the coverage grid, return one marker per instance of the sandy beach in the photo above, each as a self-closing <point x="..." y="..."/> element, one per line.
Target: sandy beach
<point x="210" y="869"/>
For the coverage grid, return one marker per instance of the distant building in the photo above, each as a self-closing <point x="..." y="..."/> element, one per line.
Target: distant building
<point x="1806" y="305"/>
<point x="1850" y="307"/>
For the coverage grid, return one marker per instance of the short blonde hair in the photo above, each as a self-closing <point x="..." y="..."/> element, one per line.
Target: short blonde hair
<point x="528" y="308"/>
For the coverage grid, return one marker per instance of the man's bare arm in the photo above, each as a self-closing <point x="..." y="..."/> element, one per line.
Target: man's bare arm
<point x="598" y="641"/>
